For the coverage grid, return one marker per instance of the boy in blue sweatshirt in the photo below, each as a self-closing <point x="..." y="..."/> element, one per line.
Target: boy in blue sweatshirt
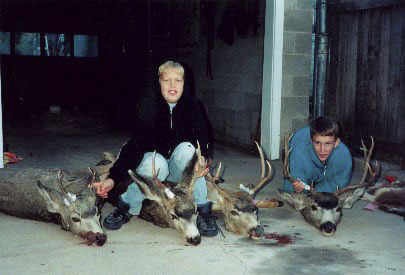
<point x="319" y="157"/>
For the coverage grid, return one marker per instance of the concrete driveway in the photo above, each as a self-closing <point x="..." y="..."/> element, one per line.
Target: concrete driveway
<point x="365" y="243"/>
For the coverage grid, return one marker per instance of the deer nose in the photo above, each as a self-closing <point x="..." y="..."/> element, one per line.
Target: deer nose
<point x="100" y="239"/>
<point x="328" y="227"/>
<point x="195" y="240"/>
<point x="257" y="231"/>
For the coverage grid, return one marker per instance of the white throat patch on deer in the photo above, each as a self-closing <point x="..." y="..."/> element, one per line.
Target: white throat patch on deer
<point x="238" y="208"/>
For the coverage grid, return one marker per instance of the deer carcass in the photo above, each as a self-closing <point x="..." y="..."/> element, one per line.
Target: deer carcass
<point x="388" y="196"/>
<point x="321" y="209"/>
<point x="50" y="196"/>
<point x="172" y="204"/>
<point x="238" y="208"/>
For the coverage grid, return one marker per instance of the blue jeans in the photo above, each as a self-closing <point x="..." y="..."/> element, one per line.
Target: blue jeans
<point x="171" y="170"/>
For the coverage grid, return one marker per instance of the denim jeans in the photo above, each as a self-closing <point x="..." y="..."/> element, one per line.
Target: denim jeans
<point x="171" y="170"/>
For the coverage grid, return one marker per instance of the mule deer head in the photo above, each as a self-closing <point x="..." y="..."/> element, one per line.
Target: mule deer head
<point x="78" y="212"/>
<point x="239" y="211"/>
<point x="321" y="209"/>
<point x="173" y="207"/>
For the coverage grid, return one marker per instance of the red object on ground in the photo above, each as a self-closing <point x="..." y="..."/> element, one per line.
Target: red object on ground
<point x="390" y="179"/>
<point x="10" y="157"/>
<point x="281" y="239"/>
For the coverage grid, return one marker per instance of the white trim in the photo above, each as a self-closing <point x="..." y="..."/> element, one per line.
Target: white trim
<point x="1" y="126"/>
<point x="272" y="78"/>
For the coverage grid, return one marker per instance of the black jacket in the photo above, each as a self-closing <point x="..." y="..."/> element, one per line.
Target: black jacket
<point x="189" y="123"/>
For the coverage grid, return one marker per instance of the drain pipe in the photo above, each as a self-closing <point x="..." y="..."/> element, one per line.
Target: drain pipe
<point x="321" y="59"/>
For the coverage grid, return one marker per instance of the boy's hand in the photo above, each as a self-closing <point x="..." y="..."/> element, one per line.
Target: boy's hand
<point x="298" y="186"/>
<point x="103" y="187"/>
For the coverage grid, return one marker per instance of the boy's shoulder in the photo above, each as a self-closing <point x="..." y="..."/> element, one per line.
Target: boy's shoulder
<point x="342" y="151"/>
<point x="301" y="138"/>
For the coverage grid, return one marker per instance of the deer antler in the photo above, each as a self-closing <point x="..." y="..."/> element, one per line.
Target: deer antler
<point x="263" y="179"/>
<point x="286" y="166"/>
<point x="214" y="179"/>
<point x="93" y="175"/>
<point x="155" y="179"/>
<point x="65" y="194"/>
<point x="287" y="152"/>
<point x="367" y="167"/>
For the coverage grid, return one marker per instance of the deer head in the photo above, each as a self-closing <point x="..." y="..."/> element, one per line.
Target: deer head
<point x="321" y="209"/>
<point x="239" y="211"/>
<point x="78" y="212"/>
<point x="176" y="205"/>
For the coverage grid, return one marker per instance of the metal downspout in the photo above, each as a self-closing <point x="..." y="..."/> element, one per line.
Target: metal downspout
<point x="321" y="59"/>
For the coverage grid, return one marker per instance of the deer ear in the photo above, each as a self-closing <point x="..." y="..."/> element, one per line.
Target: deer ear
<point x="215" y="194"/>
<point x="347" y="199"/>
<point x="295" y="200"/>
<point x="53" y="199"/>
<point x="144" y="188"/>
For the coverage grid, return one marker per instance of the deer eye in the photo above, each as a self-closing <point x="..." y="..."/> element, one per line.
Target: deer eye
<point x="234" y="213"/>
<point x="174" y="217"/>
<point x="75" y="219"/>
<point x="314" y="208"/>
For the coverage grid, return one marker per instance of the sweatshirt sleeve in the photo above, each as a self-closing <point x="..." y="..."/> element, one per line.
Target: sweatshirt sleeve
<point x="298" y="161"/>
<point x="297" y="171"/>
<point x="130" y="155"/>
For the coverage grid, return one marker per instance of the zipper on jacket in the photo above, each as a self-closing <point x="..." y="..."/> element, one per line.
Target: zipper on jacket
<point x="171" y="119"/>
<point x="324" y="171"/>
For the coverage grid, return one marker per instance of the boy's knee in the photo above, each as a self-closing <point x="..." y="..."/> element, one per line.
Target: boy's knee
<point x="183" y="153"/>
<point x="161" y="167"/>
<point x="186" y="149"/>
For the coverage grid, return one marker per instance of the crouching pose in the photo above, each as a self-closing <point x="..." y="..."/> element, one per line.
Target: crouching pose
<point x="319" y="157"/>
<point x="177" y="125"/>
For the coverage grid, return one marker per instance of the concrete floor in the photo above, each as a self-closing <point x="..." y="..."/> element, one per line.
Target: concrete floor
<point x="365" y="242"/>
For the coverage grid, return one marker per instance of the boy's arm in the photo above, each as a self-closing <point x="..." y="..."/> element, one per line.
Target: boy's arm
<point x="297" y="171"/>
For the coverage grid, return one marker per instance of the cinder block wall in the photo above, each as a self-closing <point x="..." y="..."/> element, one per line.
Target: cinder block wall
<point x="233" y="96"/>
<point x="297" y="52"/>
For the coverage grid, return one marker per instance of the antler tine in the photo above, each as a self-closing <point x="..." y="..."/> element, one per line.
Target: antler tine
<point x="367" y="158"/>
<point x="154" y="173"/>
<point x="213" y="179"/>
<point x="199" y="152"/>
<point x="287" y="152"/>
<point x="367" y="168"/>
<point x="93" y="174"/>
<point x="65" y="194"/>
<point x="263" y="178"/>
<point x="219" y="169"/>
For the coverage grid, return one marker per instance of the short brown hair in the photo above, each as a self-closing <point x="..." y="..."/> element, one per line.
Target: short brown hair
<point x="324" y="126"/>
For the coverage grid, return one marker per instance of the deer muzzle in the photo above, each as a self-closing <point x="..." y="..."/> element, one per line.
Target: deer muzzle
<point x="98" y="239"/>
<point x="194" y="240"/>
<point x="256" y="232"/>
<point x="328" y="228"/>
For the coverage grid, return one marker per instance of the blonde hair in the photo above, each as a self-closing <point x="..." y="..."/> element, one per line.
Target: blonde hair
<point x="171" y="64"/>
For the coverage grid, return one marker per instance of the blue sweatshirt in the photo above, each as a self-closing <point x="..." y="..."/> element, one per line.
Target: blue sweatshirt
<point x="306" y="166"/>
